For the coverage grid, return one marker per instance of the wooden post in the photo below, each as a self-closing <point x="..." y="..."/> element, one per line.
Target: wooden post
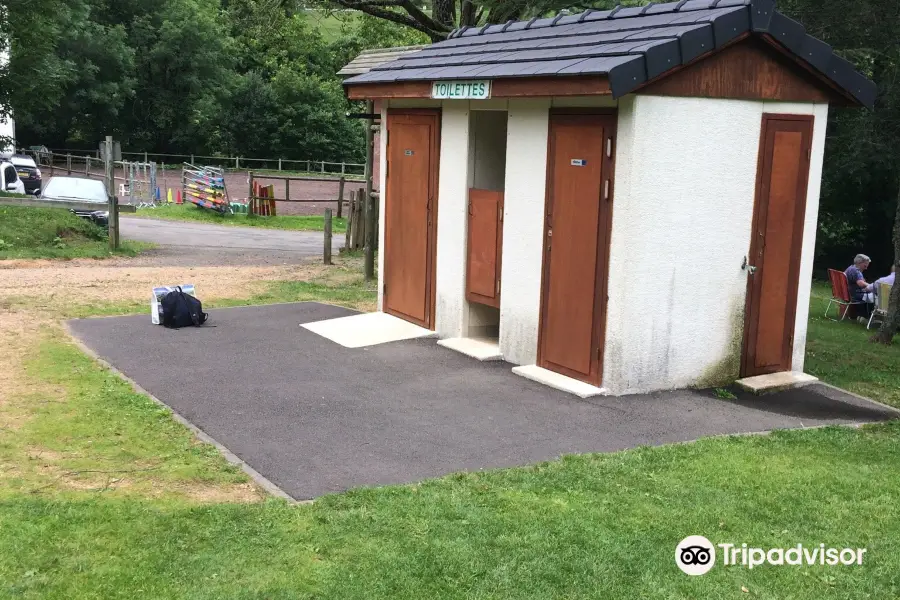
<point x="287" y="189"/>
<point x="341" y="183"/>
<point x="110" y="190"/>
<point x="370" y="239"/>
<point x="192" y="159"/>
<point x="359" y="234"/>
<point x="323" y="166"/>
<point x="279" y="164"/>
<point x="69" y="164"/>
<point x="327" y="253"/>
<point x="349" y="219"/>
<point x="370" y="211"/>
<point x="237" y="162"/>
<point x="146" y="160"/>
<point x="250" y="195"/>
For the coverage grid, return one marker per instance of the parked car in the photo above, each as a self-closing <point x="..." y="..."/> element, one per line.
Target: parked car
<point x="29" y="173"/>
<point x="80" y="189"/>
<point x="9" y="179"/>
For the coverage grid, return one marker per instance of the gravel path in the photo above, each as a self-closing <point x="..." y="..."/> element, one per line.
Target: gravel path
<point x="195" y="244"/>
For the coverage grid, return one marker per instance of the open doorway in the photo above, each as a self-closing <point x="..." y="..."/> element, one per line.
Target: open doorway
<point x="487" y="178"/>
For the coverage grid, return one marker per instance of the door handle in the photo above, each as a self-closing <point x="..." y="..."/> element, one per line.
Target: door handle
<point x="746" y="266"/>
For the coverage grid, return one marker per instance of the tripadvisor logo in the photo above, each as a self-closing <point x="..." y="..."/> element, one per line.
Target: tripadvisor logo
<point x="696" y="555"/>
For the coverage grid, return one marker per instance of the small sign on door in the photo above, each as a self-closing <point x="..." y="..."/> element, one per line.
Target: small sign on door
<point x="408" y="152"/>
<point x="579" y="162"/>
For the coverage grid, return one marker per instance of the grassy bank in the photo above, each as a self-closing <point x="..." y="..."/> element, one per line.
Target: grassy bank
<point x="190" y="212"/>
<point x="54" y="233"/>
<point x="841" y="354"/>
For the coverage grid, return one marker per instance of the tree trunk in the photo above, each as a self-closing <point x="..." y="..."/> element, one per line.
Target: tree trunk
<point x="467" y="14"/>
<point x="444" y="11"/>
<point x="891" y="322"/>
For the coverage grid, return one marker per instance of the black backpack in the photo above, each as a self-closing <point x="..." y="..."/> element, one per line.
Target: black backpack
<point x="182" y="310"/>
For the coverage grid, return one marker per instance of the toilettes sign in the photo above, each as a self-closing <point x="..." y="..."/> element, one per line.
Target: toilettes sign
<point x="461" y="90"/>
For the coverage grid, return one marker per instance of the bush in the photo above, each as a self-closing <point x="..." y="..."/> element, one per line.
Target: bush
<point x="25" y="228"/>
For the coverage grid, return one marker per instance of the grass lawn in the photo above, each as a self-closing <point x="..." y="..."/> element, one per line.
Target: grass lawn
<point x="103" y="496"/>
<point x="54" y="233"/>
<point x="191" y="212"/>
<point x="841" y="354"/>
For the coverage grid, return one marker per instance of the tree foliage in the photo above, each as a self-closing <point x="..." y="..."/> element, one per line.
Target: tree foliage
<point x="236" y="77"/>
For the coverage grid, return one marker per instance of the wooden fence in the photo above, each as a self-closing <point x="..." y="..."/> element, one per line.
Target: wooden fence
<point x="358" y="222"/>
<point x="237" y="163"/>
<point x="254" y="197"/>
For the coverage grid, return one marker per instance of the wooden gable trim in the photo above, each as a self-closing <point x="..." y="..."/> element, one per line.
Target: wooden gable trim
<point x="525" y="87"/>
<point x="752" y="68"/>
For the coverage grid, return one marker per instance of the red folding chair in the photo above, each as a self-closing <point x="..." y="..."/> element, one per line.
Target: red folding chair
<point x="840" y="295"/>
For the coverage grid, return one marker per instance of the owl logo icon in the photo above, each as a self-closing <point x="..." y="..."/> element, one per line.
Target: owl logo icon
<point x="695" y="555"/>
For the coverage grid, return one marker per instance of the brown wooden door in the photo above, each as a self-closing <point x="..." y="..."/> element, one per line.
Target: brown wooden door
<point x="780" y="208"/>
<point x="576" y="244"/>
<point x="411" y="215"/>
<point x="484" y="247"/>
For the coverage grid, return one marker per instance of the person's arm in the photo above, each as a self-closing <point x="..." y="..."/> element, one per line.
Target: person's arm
<point x="861" y="282"/>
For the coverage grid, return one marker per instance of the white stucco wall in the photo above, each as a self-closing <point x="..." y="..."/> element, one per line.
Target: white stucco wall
<point x="685" y="186"/>
<point x="523" y="229"/>
<point x="453" y="190"/>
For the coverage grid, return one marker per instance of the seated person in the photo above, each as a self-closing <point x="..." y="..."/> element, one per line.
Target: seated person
<point x="875" y="286"/>
<point x="856" y="282"/>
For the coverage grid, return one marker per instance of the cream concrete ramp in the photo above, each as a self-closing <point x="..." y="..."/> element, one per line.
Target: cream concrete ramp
<point x="559" y="382"/>
<point x="483" y="349"/>
<point x="369" y="329"/>
<point x="776" y="382"/>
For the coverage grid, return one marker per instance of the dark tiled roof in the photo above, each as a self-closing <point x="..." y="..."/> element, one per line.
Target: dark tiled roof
<point x="370" y="59"/>
<point x="628" y="45"/>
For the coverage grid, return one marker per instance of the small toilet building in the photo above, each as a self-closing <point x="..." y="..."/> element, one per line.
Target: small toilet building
<point x="616" y="201"/>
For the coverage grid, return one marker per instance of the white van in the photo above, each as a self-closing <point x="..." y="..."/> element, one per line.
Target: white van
<point x="9" y="179"/>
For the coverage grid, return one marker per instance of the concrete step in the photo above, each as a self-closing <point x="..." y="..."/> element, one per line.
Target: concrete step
<point x="559" y="382"/>
<point x="775" y="382"/>
<point x="483" y="349"/>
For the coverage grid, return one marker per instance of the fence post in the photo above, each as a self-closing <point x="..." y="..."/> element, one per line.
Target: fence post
<point x="110" y="188"/>
<point x="323" y="166"/>
<point x="192" y="159"/>
<point x="359" y="229"/>
<point x="343" y="168"/>
<point x="287" y="189"/>
<point x="69" y="164"/>
<point x="349" y="224"/>
<point x="250" y="195"/>
<point x="237" y="162"/>
<point x="341" y="184"/>
<point x="279" y="164"/>
<point x="146" y="160"/>
<point x="370" y="211"/>
<point x="308" y="167"/>
<point x="327" y="253"/>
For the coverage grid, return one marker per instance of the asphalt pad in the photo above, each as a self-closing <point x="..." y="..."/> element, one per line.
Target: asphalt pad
<point x="315" y="417"/>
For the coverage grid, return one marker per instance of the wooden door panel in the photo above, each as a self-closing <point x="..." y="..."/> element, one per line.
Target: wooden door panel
<point x="409" y="231"/>
<point x="576" y="245"/>
<point x="777" y="243"/>
<point x="484" y="247"/>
